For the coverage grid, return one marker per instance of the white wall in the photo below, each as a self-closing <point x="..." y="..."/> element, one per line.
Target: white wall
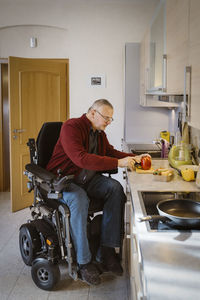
<point x="91" y="33"/>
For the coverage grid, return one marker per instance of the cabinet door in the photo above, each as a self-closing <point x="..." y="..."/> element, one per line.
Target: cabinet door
<point x="177" y="16"/>
<point x="194" y="61"/>
<point x="144" y="68"/>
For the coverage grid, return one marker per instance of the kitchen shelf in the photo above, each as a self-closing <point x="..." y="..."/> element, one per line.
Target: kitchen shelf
<point x="162" y="99"/>
<point x="157" y="103"/>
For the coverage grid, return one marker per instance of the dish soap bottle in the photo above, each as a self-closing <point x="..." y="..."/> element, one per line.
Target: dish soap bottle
<point x="198" y="177"/>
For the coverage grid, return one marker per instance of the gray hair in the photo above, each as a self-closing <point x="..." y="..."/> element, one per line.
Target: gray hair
<point x="100" y="102"/>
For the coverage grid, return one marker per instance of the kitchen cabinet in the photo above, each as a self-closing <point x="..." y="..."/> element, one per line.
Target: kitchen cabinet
<point x="194" y="62"/>
<point x="144" y="67"/>
<point x="135" y="266"/>
<point x="177" y="35"/>
<point x="183" y="49"/>
<point x="146" y="121"/>
<point x="157" y="49"/>
<point x="152" y="70"/>
<point x="163" y="264"/>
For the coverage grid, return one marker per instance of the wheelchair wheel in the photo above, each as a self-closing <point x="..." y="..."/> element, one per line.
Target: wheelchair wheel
<point x="29" y="243"/>
<point x="45" y="274"/>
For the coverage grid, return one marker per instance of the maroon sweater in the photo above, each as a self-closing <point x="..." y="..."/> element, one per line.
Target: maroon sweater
<point x="71" y="151"/>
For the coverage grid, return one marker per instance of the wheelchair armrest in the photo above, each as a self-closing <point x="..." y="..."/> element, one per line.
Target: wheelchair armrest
<point x="113" y="171"/>
<point x="40" y="172"/>
<point x="59" y="183"/>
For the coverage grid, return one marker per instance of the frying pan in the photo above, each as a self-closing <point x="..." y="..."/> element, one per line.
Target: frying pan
<point x="183" y="212"/>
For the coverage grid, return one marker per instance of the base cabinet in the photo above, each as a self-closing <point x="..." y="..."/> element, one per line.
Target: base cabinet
<point x="135" y="266"/>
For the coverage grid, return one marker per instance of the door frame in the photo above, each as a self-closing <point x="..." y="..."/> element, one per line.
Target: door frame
<point x="2" y="61"/>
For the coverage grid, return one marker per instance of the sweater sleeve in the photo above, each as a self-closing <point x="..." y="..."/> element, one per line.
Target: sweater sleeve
<point x="72" y="142"/>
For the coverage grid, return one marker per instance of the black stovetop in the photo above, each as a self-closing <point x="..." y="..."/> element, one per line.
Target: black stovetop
<point x="149" y="201"/>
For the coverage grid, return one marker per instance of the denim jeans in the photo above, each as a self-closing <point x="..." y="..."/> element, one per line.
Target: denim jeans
<point x="76" y="197"/>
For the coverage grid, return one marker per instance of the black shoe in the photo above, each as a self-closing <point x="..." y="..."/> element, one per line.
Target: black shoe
<point x="89" y="274"/>
<point x="111" y="261"/>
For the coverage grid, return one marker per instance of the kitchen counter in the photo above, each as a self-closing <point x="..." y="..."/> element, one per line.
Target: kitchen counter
<point x="170" y="260"/>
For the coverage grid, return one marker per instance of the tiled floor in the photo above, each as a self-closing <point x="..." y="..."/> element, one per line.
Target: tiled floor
<point x="15" y="277"/>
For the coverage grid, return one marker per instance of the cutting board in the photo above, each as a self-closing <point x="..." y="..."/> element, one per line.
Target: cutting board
<point x="141" y="171"/>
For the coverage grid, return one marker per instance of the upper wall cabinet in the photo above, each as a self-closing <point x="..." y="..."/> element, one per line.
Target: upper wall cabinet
<point x="183" y="52"/>
<point x="177" y="35"/>
<point x="144" y="68"/>
<point x="157" y="49"/>
<point x="194" y="63"/>
<point x="153" y="64"/>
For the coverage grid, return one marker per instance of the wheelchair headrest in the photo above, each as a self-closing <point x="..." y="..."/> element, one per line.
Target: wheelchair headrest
<point x="46" y="141"/>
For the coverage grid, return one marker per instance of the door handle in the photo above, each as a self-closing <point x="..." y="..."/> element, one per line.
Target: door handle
<point x="19" y="130"/>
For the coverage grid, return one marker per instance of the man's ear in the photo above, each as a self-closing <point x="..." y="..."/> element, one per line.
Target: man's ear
<point x="92" y="112"/>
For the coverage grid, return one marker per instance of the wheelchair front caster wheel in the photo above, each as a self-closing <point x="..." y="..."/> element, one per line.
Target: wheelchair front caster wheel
<point x="45" y="274"/>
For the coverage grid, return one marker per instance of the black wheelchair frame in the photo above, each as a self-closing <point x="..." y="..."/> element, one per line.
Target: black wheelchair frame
<point x="45" y="239"/>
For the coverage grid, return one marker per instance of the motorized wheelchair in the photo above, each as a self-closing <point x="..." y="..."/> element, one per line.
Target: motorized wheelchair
<point x="45" y="240"/>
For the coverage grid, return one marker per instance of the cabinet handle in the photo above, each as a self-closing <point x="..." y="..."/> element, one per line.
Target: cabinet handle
<point x="164" y="81"/>
<point x="187" y="93"/>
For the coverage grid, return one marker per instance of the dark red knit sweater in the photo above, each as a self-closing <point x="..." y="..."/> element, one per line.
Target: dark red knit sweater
<point x="71" y="151"/>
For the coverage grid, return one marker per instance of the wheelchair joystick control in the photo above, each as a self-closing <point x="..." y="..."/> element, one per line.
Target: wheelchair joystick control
<point x="59" y="172"/>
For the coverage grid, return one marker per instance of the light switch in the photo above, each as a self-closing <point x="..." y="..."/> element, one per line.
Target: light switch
<point x="33" y="42"/>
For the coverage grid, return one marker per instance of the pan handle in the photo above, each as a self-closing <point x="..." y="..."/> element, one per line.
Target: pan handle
<point x="154" y="217"/>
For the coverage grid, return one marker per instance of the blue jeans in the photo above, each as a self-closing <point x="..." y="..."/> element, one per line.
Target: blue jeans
<point x="104" y="189"/>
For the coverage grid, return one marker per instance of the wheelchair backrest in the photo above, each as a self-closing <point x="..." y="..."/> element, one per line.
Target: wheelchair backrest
<point x="46" y="141"/>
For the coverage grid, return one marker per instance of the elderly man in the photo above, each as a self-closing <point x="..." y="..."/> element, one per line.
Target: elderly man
<point x="83" y="150"/>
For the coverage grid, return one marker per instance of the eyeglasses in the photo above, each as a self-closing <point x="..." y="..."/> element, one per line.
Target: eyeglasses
<point x="107" y="119"/>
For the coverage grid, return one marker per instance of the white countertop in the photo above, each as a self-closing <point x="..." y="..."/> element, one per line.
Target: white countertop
<point x="170" y="260"/>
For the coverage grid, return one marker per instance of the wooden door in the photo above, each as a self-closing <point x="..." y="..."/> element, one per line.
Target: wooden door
<point x="38" y="93"/>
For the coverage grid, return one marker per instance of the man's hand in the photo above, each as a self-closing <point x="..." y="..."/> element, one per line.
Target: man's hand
<point x="128" y="161"/>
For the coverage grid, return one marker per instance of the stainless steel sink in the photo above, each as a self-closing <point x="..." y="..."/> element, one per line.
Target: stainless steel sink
<point x="152" y="149"/>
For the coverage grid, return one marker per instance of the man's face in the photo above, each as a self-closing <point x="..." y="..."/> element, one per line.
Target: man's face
<point x="102" y="117"/>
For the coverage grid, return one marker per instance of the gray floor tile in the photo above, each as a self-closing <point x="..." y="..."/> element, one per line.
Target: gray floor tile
<point x="26" y="289"/>
<point x="121" y="295"/>
<point x="15" y="277"/>
<point x="112" y="287"/>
